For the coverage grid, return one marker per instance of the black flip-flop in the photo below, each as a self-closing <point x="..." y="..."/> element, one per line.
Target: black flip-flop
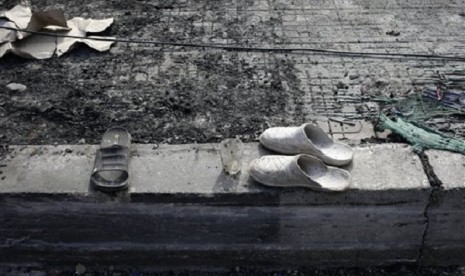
<point x="111" y="167"/>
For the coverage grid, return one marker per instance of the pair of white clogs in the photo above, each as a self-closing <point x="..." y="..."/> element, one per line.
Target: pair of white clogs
<point x="311" y="150"/>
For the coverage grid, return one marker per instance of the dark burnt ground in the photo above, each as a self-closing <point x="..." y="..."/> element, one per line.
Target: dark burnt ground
<point x="224" y="98"/>
<point x="185" y="95"/>
<point x="159" y="95"/>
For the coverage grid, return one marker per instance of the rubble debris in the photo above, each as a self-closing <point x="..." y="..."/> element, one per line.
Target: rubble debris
<point x="393" y="33"/>
<point x="447" y="89"/>
<point x="397" y="111"/>
<point x="16" y="87"/>
<point x="438" y="102"/>
<point x="342" y="121"/>
<point x="341" y="85"/>
<point x="422" y="137"/>
<point x="450" y="98"/>
<point x="423" y="111"/>
<point x="385" y="87"/>
<point x="454" y="79"/>
<point x="36" y="46"/>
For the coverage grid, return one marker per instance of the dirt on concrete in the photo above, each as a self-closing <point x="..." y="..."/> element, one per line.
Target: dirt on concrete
<point x="226" y="98"/>
<point x="160" y="95"/>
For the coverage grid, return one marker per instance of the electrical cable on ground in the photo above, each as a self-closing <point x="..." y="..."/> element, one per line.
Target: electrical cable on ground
<point x="249" y="49"/>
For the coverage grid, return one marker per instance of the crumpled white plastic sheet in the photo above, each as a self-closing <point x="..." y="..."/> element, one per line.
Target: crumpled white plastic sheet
<point x="53" y="21"/>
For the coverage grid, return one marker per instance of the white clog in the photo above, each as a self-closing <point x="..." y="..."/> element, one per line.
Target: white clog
<point x="298" y="171"/>
<point x="307" y="139"/>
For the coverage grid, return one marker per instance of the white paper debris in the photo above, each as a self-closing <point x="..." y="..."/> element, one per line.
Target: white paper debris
<point x="20" y="15"/>
<point x="92" y="25"/>
<point x="38" y="47"/>
<point x="98" y="45"/>
<point x="80" y="27"/>
<point x="52" y="19"/>
<point x="43" y="47"/>
<point x="7" y="35"/>
<point x="5" y="48"/>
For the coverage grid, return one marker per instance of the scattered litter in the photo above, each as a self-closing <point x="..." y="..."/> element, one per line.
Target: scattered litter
<point x="5" y="49"/>
<point x="437" y="105"/>
<point x="350" y="129"/>
<point x="422" y="137"/>
<point x="341" y="85"/>
<point x="342" y="122"/>
<point x="393" y="109"/>
<point x="20" y="15"/>
<point x="43" y="47"/>
<point x="80" y="27"/>
<point x="7" y="35"/>
<point x="231" y="155"/>
<point x="450" y="98"/>
<point x="454" y="79"/>
<point x="16" y="87"/>
<point x="80" y="269"/>
<point x="35" y="47"/>
<point x="393" y="33"/>
<point x="392" y="88"/>
<point x="53" y="20"/>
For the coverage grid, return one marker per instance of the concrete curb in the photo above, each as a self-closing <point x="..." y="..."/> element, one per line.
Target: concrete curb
<point x="193" y="174"/>
<point x="445" y="238"/>
<point x="182" y="209"/>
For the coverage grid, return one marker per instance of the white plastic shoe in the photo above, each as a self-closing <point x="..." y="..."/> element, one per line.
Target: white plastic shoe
<point x="298" y="171"/>
<point x="307" y="139"/>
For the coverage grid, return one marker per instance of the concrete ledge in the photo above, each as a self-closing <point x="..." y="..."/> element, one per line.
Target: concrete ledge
<point x="181" y="209"/>
<point x="383" y="174"/>
<point x="445" y="238"/>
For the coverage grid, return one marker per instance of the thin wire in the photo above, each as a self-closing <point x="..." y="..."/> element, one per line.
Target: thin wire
<point x="247" y="49"/>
